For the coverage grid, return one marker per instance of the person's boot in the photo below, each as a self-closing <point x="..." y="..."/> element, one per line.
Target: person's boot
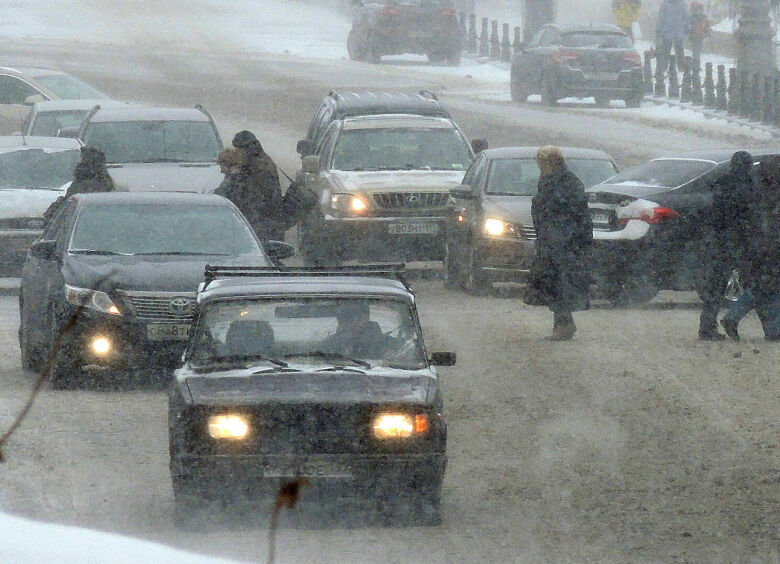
<point x="563" y="327"/>
<point x="708" y="326"/>
<point x="730" y="327"/>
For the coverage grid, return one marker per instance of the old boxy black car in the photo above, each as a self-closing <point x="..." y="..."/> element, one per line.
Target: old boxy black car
<point x="125" y="267"/>
<point x="308" y="373"/>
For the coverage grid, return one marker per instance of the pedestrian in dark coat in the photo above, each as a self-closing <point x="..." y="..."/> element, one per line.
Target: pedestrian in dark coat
<point x="671" y="29"/>
<point x="258" y="193"/>
<point x="564" y="234"/>
<point x="89" y="176"/>
<point x="730" y="223"/>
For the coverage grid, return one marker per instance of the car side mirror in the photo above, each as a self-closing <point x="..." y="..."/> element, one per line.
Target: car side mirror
<point x="305" y="147"/>
<point x="479" y="145"/>
<point x="462" y="193"/>
<point x="44" y="249"/>
<point x="33" y="99"/>
<point x="443" y="359"/>
<point x="310" y="164"/>
<point x="278" y="250"/>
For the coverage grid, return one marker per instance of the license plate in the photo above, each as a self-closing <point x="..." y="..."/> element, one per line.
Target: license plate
<point x="600" y="75"/>
<point x="308" y="468"/>
<point x="168" y="331"/>
<point x="600" y="217"/>
<point x="413" y="228"/>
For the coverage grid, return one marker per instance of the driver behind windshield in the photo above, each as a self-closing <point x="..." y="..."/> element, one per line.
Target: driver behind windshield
<point x="356" y="335"/>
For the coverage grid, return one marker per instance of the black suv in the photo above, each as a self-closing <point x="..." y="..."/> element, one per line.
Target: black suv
<point x="339" y="105"/>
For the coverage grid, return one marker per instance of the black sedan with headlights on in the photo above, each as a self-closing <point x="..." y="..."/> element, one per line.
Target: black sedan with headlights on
<point x="114" y="276"/>
<point x="310" y="374"/>
<point x="490" y="236"/>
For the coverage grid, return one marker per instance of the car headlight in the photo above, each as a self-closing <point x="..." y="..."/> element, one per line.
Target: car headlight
<point x="92" y="299"/>
<point x="347" y="204"/>
<point x="228" y="426"/>
<point x="500" y="228"/>
<point x="399" y="425"/>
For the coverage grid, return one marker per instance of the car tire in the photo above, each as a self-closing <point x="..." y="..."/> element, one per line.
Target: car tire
<point x="32" y="357"/>
<point x="518" y="91"/>
<point x="635" y="100"/>
<point x="64" y="368"/>
<point x="474" y="280"/>
<point x="356" y="51"/>
<point x="549" y="92"/>
<point x="602" y="101"/>
<point x="451" y="271"/>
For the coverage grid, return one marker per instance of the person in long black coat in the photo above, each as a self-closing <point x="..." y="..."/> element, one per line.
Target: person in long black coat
<point x="731" y="219"/>
<point x="564" y="234"/>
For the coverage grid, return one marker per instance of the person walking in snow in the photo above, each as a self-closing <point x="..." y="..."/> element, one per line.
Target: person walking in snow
<point x="699" y="31"/>
<point x="671" y="29"/>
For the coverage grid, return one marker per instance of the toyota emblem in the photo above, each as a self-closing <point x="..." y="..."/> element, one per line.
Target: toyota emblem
<point x="412" y="198"/>
<point x="180" y="306"/>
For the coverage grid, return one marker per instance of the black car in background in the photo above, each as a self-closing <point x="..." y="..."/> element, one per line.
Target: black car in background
<point x="309" y="374"/>
<point x="395" y="27"/>
<point x="578" y="61"/>
<point x="651" y="223"/>
<point x="117" y="273"/>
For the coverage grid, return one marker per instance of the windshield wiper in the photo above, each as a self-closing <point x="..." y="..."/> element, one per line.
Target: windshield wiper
<point x="163" y="160"/>
<point x="276" y="369"/>
<point x="330" y="357"/>
<point x="341" y="369"/>
<point x="237" y="362"/>
<point x="97" y="252"/>
<point x="173" y="253"/>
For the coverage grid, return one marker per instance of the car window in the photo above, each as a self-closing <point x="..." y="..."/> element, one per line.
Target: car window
<point x="550" y="37"/>
<point x="316" y="123"/>
<point x="520" y="177"/>
<point x="471" y="169"/>
<point x="15" y="91"/>
<point x="160" y="229"/>
<point x="536" y="39"/>
<point x="322" y="125"/>
<point x="37" y="168"/>
<point x="55" y="230"/>
<point x="68" y="87"/>
<point x="154" y="141"/>
<point x="477" y="176"/>
<point x="668" y="173"/>
<point x="48" y="124"/>
<point x="597" y="40"/>
<point x="402" y="148"/>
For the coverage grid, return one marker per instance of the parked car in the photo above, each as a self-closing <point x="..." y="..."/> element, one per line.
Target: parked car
<point x="650" y="223"/>
<point x="62" y="118"/>
<point x="382" y="183"/>
<point x="490" y="235"/>
<point x="578" y="61"/>
<point x="115" y="276"/>
<point x="34" y="172"/>
<point x="393" y="27"/>
<point x="21" y="87"/>
<point x="316" y="375"/>
<point x="339" y="105"/>
<point x="156" y="149"/>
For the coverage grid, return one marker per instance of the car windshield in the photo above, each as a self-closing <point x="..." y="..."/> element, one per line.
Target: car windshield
<point x="160" y="229"/>
<point x="67" y="87"/>
<point x="596" y="41"/>
<point x="403" y="148"/>
<point x="354" y="332"/>
<point x="666" y="173"/>
<point x="154" y="141"/>
<point x="37" y="168"/>
<point x="520" y="177"/>
<point x="48" y="124"/>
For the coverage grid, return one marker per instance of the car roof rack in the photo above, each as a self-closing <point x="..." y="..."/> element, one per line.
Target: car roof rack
<point x="394" y="271"/>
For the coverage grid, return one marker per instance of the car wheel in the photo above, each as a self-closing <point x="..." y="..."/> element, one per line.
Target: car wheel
<point x="65" y="369"/>
<point x="474" y="280"/>
<point x="451" y="272"/>
<point x="518" y="91"/>
<point x="635" y="100"/>
<point x="602" y="101"/>
<point x="356" y="51"/>
<point x="32" y="357"/>
<point x="549" y="92"/>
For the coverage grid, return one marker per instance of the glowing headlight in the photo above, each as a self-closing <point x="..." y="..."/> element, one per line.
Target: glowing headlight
<point x="101" y="346"/>
<point x="347" y="204"/>
<point x="500" y="228"/>
<point x="92" y="299"/>
<point x="399" y="425"/>
<point x="228" y="426"/>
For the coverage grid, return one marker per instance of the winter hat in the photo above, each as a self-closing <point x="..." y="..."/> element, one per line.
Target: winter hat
<point x="741" y="161"/>
<point x="92" y="155"/>
<point x="244" y="139"/>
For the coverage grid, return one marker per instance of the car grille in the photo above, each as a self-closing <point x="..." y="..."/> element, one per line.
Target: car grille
<point x="528" y="232"/>
<point x="161" y="307"/>
<point x="410" y="200"/>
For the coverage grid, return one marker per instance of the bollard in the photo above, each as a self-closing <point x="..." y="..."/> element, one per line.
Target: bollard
<point x="506" y="46"/>
<point x="709" y="87"/>
<point x="685" y="88"/>
<point x="777" y="101"/>
<point x="769" y="100"/>
<point x="733" y="104"/>
<point x="674" y="84"/>
<point x="755" y="88"/>
<point x="464" y="34"/>
<point x="495" y="44"/>
<point x="484" y="41"/>
<point x="696" y="98"/>
<point x="720" y="89"/>
<point x="471" y="45"/>
<point x="744" y="94"/>
<point x="660" y="83"/>
<point x="517" y="43"/>
<point x="647" y="73"/>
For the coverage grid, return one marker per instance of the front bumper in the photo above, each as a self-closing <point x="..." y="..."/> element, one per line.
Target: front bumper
<point x="506" y="260"/>
<point x="619" y="85"/>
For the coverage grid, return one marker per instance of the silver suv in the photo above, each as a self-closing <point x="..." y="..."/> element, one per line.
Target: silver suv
<point x="382" y="183"/>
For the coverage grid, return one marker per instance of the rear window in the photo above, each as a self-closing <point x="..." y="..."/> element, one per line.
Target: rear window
<point x="37" y="168"/>
<point x="667" y="173"/>
<point x="48" y="124"/>
<point x="520" y="177"/>
<point x="68" y="87"/>
<point x="596" y="40"/>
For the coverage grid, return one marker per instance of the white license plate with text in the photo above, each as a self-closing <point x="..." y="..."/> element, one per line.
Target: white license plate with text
<point x="418" y="228"/>
<point x="308" y="468"/>
<point x="168" y="331"/>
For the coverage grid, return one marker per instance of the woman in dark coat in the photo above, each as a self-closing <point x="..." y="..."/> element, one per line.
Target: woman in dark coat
<point x="564" y="233"/>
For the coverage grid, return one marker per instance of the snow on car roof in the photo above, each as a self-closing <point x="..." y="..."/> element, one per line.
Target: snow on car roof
<point x="140" y="113"/>
<point x="382" y="121"/>
<point x="11" y="143"/>
<point x="530" y="152"/>
<point x="63" y="105"/>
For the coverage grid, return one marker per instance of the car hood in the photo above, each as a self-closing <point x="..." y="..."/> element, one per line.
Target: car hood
<point x="630" y="189"/>
<point x="244" y="388"/>
<point x="21" y="202"/>
<point x="396" y="180"/>
<point x="148" y="272"/>
<point x="166" y="177"/>
<point x="514" y="209"/>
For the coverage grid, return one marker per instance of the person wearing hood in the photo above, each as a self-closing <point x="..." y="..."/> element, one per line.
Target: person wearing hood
<point x="699" y="31"/>
<point x="671" y="29"/>
<point x="257" y="192"/>
<point x="564" y="233"/>
<point x="730" y="223"/>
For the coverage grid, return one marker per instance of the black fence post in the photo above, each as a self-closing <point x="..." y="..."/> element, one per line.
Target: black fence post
<point x="757" y="98"/>
<point x="472" y="41"/>
<point x="685" y="89"/>
<point x="696" y="98"/>
<point x="709" y="87"/>
<point x="769" y="100"/>
<point x="744" y="94"/>
<point x="464" y="34"/>
<point x="495" y="44"/>
<point x="733" y="105"/>
<point x="674" y="84"/>
<point x="647" y="73"/>
<point x="720" y="89"/>
<point x="660" y="79"/>
<point x="506" y="46"/>
<point x="484" y="40"/>
<point x="777" y="101"/>
<point x="517" y="43"/>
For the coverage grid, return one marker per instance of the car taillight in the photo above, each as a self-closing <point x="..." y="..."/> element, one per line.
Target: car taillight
<point x="564" y="56"/>
<point x="633" y="58"/>
<point x="389" y="11"/>
<point x="652" y="216"/>
<point x="449" y="12"/>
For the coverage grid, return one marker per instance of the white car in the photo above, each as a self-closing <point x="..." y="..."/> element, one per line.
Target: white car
<point x="62" y="118"/>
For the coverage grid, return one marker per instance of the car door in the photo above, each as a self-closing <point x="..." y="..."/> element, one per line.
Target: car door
<point x="543" y="55"/>
<point x="523" y="64"/>
<point x="16" y="98"/>
<point x="464" y="213"/>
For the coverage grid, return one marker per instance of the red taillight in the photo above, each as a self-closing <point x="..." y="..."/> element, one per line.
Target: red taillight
<point x="449" y="12"/>
<point x="633" y="58"/>
<point x="652" y="216"/>
<point x="389" y="11"/>
<point x="564" y="56"/>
